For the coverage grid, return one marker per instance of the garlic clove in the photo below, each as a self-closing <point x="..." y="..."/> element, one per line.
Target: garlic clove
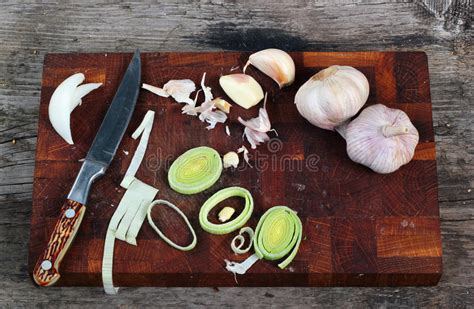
<point x="222" y="104"/>
<point x="332" y="96"/>
<point x="226" y="213"/>
<point x="230" y="159"/>
<point x="276" y="64"/>
<point x="243" y="89"/>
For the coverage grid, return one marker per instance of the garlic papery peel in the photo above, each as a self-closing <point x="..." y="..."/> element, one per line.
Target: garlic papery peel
<point x="381" y="138"/>
<point x="178" y="89"/>
<point x="65" y="99"/>
<point x="242" y="89"/>
<point x="245" y="152"/>
<point x="275" y="63"/>
<point x="156" y="90"/>
<point x="256" y="128"/>
<point x="332" y="96"/>
<point x="206" y="110"/>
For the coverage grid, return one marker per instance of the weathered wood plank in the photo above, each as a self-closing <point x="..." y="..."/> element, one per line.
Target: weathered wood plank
<point x="29" y="30"/>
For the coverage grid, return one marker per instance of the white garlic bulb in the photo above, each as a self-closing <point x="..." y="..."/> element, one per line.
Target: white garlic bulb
<point x="381" y="138"/>
<point x="332" y="96"/>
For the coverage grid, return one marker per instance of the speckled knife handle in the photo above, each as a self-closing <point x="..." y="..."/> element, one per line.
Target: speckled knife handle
<point x="46" y="271"/>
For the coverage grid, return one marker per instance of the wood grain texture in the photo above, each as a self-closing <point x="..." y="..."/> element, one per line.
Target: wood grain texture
<point x="382" y="229"/>
<point x="29" y="31"/>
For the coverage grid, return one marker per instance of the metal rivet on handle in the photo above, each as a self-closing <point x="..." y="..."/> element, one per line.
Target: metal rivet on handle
<point x="70" y="213"/>
<point x="46" y="265"/>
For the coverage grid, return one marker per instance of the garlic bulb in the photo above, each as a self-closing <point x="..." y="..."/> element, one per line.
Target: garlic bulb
<point x="381" y="138"/>
<point x="276" y="64"/>
<point x="332" y="96"/>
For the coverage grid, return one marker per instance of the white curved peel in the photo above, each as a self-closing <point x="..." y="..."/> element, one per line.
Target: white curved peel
<point x="64" y="100"/>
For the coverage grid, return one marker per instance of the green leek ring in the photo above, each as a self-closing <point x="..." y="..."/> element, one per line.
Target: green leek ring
<point x="278" y="234"/>
<point x="195" y="170"/>
<point x="232" y="225"/>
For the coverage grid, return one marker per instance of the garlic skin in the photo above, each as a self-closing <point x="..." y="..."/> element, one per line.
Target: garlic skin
<point x="276" y="64"/>
<point x="332" y="96"/>
<point x="381" y="138"/>
<point x="242" y="89"/>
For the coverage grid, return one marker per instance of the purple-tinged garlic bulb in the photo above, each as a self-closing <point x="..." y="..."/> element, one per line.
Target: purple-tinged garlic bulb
<point x="381" y="138"/>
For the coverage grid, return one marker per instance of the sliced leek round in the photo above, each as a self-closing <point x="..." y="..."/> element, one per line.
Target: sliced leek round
<point x="232" y="225"/>
<point x="278" y="234"/>
<point x="195" y="170"/>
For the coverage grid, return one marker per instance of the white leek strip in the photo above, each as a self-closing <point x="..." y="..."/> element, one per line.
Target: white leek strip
<point x="131" y="212"/>
<point x="144" y="129"/>
<point x="232" y="225"/>
<point x="237" y="248"/>
<point x="137" y="193"/>
<point x="278" y="234"/>
<point x="162" y="235"/>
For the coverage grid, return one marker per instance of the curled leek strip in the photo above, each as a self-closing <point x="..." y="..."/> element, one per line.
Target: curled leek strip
<point x="237" y="248"/>
<point x="278" y="234"/>
<point x="163" y="236"/>
<point x="232" y="225"/>
<point x="195" y="170"/>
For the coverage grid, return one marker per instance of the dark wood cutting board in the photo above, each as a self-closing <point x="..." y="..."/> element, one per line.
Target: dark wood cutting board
<point x="360" y="228"/>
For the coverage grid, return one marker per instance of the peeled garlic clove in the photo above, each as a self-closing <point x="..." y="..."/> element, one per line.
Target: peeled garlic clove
<point x="222" y="104"/>
<point x="332" y="96"/>
<point x="242" y="89"/>
<point x="226" y="213"/>
<point x="230" y="159"/>
<point x="66" y="97"/>
<point x="381" y="138"/>
<point x="275" y="63"/>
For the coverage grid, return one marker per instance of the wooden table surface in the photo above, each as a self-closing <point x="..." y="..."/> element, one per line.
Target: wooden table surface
<point x="443" y="29"/>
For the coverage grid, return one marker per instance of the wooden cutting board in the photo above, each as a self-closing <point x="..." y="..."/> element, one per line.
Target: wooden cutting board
<point x="360" y="228"/>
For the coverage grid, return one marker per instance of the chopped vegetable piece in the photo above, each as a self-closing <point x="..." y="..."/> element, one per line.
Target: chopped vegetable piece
<point x="195" y="170"/>
<point x="237" y="248"/>
<point x="232" y="225"/>
<point x="163" y="236"/>
<point x="278" y="234"/>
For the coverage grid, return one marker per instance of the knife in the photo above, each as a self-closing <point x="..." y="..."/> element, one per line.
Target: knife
<point x="101" y="153"/>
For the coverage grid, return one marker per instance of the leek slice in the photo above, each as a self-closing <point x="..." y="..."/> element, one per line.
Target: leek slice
<point x="232" y="225"/>
<point x="162" y="235"/>
<point x="195" y="170"/>
<point x="278" y="234"/>
<point x="237" y="248"/>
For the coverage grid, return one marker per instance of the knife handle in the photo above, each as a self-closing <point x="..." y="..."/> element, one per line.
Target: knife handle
<point x="46" y="271"/>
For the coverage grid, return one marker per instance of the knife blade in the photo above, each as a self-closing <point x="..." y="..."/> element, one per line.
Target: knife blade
<point x="101" y="153"/>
